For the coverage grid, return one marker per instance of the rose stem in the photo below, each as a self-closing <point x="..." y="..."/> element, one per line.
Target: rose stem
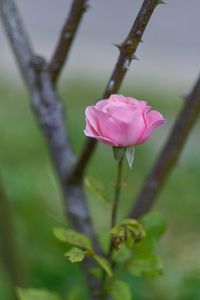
<point x="115" y="206"/>
<point x="117" y="194"/>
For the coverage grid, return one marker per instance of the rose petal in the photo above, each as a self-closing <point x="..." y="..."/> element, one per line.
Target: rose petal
<point x="91" y="117"/>
<point x="121" y="121"/>
<point x="154" y="119"/>
<point x="90" y="132"/>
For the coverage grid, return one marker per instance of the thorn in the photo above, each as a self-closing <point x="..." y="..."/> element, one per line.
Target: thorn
<point x="86" y="7"/>
<point x="161" y="2"/>
<point x="118" y="46"/>
<point x="135" y="57"/>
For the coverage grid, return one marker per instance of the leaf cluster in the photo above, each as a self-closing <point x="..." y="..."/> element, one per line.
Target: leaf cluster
<point x="82" y="248"/>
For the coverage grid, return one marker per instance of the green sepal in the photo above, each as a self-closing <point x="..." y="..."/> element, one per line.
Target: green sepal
<point x="130" y="154"/>
<point x="119" y="153"/>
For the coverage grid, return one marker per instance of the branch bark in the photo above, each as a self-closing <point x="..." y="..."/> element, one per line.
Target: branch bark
<point x="66" y="38"/>
<point x="49" y="114"/>
<point x="127" y="54"/>
<point x="169" y="155"/>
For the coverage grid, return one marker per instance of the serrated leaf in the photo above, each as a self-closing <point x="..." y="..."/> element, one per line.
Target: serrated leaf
<point x="118" y="152"/>
<point x="96" y="187"/>
<point x="149" y="265"/>
<point x="120" y="290"/>
<point x="75" y="255"/>
<point x="130" y="153"/>
<point x="35" y="294"/>
<point x="104" y="263"/>
<point x="72" y="237"/>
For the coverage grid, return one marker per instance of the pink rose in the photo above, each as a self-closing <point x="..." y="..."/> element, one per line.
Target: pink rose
<point x="121" y="121"/>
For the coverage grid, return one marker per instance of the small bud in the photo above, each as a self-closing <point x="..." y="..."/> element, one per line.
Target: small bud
<point x="139" y="32"/>
<point x="126" y="64"/>
<point x="129" y="42"/>
<point x="39" y="63"/>
<point x="67" y="35"/>
<point x="110" y="85"/>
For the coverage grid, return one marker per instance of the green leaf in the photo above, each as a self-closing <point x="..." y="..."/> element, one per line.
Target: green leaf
<point x="104" y="263"/>
<point x="36" y="294"/>
<point x="118" y="152"/>
<point x="130" y="153"/>
<point x="96" y="187"/>
<point x="154" y="225"/>
<point x="123" y="255"/>
<point x="72" y="237"/>
<point x="75" y="255"/>
<point x="149" y="265"/>
<point x="120" y="290"/>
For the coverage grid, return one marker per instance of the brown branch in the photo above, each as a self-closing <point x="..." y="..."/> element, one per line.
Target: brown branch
<point x="66" y="38"/>
<point x="127" y="54"/>
<point x="169" y="155"/>
<point x="49" y="114"/>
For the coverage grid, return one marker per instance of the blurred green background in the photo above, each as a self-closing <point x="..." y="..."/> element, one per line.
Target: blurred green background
<point x="36" y="203"/>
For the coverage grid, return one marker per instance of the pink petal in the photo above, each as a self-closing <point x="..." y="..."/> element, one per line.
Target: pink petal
<point x="91" y="118"/>
<point x="154" y="119"/>
<point x="95" y="121"/>
<point x="90" y="132"/>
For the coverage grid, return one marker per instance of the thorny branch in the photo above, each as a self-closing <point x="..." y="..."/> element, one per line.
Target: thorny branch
<point x="127" y="54"/>
<point x="170" y="153"/>
<point x="66" y="38"/>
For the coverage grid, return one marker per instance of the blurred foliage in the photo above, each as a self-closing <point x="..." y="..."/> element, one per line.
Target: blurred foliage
<point x="37" y="204"/>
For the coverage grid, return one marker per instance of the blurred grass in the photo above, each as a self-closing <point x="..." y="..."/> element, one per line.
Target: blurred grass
<point x="37" y="203"/>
